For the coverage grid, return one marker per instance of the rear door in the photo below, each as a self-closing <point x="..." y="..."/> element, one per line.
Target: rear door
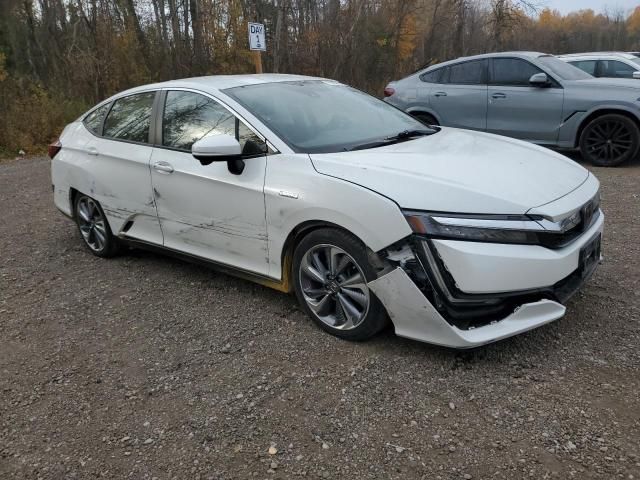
<point x="119" y="153"/>
<point x="460" y="97"/>
<point x="517" y="109"/>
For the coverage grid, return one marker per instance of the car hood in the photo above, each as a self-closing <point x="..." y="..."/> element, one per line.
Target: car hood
<point x="459" y="171"/>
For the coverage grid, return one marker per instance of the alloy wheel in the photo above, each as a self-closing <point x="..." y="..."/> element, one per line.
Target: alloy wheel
<point x="334" y="287"/>
<point x="608" y="141"/>
<point x="92" y="224"/>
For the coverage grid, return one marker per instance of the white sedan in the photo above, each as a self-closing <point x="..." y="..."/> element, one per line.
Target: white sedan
<point x="303" y="184"/>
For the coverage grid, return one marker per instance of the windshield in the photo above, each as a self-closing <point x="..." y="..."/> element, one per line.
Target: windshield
<point x="318" y="116"/>
<point x="562" y="69"/>
<point x="635" y="60"/>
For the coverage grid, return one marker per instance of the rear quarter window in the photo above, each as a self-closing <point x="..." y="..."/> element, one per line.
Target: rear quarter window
<point x="93" y="121"/>
<point x="432" y="76"/>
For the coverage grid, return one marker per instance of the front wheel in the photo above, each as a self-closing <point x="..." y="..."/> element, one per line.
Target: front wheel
<point x="610" y="140"/>
<point x="94" y="228"/>
<point x="331" y="271"/>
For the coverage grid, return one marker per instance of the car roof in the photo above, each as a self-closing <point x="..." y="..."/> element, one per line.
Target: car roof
<point x="517" y="54"/>
<point x="213" y="83"/>
<point x="626" y="55"/>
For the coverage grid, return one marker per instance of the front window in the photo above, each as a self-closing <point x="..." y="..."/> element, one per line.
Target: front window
<point x="321" y="116"/>
<point x="189" y="116"/>
<point x="615" y="69"/>
<point x="512" y="72"/>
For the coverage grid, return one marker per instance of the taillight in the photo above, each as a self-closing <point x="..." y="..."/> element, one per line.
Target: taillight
<point x="54" y="148"/>
<point x="389" y="91"/>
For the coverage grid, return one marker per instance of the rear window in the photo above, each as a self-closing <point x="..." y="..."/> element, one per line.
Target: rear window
<point x="93" y="121"/>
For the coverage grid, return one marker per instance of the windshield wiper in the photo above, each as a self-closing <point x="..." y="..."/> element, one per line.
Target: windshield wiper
<point x="400" y="137"/>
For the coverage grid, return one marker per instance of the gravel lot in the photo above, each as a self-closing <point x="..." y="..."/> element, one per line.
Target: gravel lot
<point x="147" y="367"/>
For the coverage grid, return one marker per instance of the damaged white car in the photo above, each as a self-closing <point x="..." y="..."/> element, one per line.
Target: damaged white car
<point x="303" y="184"/>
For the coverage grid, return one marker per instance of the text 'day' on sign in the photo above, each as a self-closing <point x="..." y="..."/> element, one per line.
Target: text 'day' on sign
<point x="256" y="37"/>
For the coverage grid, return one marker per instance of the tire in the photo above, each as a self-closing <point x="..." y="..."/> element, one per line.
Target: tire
<point x="610" y="140"/>
<point x="337" y="299"/>
<point x="94" y="228"/>
<point x="425" y="118"/>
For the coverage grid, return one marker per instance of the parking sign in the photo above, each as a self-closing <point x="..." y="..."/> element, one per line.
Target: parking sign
<point x="256" y="37"/>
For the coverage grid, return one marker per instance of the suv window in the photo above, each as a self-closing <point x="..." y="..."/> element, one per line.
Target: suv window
<point x="588" y="66"/>
<point x="130" y="117"/>
<point x="467" y="73"/>
<point x="93" y="121"/>
<point x="512" y="71"/>
<point x="615" y="69"/>
<point x="189" y="116"/>
<point x="432" y="76"/>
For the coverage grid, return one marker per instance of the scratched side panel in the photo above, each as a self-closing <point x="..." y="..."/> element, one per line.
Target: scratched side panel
<point x="376" y="220"/>
<point x="118" y="177"/>
<point x="207" y="211"/>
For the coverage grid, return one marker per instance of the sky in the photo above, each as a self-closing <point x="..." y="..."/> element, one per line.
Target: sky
<point x="599" y="6"/>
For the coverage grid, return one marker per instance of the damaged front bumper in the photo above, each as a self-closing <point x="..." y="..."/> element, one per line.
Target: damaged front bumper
<point x="414" y="317"/>
<point x="425" y="302"/>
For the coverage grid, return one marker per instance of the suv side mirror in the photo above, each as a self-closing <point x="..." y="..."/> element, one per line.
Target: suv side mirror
<point x="540" y="80"/>
<point x="636" y="75"/>
<point x="219" y="148"/>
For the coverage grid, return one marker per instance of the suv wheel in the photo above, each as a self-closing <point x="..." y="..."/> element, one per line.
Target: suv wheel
<point x="610" y="140"/>
<point x="331" y="271"/>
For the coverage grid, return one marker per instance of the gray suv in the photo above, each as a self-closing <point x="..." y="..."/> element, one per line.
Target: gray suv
<point x="530" y="96"/>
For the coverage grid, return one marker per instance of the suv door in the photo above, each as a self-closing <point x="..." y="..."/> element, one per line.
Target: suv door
<point x="205" y="210"/>
<point x="517" y="109"/>
<point x="120" y="151"/>
<point x="460" y="97"/>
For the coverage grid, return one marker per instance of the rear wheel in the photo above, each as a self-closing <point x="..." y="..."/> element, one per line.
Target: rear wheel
<point x="425" y="118"/>
<point x="331" y="272"/>
<point x="94" y="228"/>
<point x="610" y="140"/>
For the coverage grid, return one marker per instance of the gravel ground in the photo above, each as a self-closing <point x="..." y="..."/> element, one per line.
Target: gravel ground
<point x="147" y="367"/>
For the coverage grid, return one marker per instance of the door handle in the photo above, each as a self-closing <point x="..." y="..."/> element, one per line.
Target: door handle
<point x="92" y="151"/>
<point x="499" y="95"/>
<point x="163" y="167"/>
<point x="440" y="94"/>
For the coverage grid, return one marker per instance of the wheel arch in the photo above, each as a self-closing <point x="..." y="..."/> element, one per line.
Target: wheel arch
<point x="417" y="110"/>
<point x="292" y="240"/>
<point x="604" y="110"/>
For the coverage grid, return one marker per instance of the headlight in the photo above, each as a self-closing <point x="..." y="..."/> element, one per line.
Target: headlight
<point x="521" y="229"/>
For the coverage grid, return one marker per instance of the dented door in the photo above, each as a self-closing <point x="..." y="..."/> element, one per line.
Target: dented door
<point x="209" y="212"/>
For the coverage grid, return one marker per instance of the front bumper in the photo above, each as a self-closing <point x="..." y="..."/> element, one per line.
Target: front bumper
<point x="512" y="290"/>
<point x="414" y="317"/>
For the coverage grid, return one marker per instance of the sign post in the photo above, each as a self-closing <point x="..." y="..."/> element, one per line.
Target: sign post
<point x="257" y="43"/>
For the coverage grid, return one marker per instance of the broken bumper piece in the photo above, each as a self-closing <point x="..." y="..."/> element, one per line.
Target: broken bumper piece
<point x="415" y="317"/>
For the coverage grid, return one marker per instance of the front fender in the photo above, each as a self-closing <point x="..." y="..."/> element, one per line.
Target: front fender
<point x="295" y="193"/>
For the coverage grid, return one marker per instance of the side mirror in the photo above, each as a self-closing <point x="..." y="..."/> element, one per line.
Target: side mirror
<point x="540" y="80"/>
<point x="636" y="75"/>
<point x="219" y="148"/>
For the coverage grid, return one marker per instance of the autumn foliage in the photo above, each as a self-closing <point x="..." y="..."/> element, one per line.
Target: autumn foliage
<point x="58" y="57"/>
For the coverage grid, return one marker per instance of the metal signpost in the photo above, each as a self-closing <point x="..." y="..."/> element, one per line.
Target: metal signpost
<point x="257" y="43"/>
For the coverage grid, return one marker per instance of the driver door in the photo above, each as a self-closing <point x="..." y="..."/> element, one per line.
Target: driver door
<point x="205" y="210"/>
<point x="517" y="109"/>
